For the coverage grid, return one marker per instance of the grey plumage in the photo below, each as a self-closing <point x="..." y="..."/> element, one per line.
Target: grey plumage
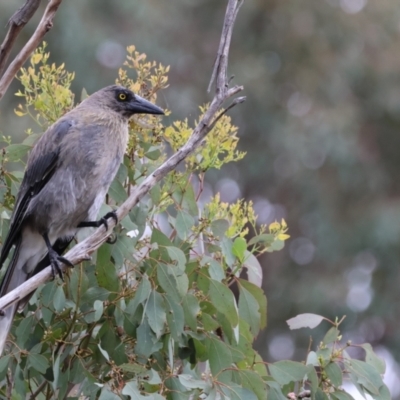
<point x="68" y="174"/>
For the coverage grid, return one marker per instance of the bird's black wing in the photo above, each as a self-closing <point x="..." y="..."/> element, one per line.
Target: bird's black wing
<point x="41" y="167"/>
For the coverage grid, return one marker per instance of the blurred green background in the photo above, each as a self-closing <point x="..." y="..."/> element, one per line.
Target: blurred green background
<point x="321" y="126"/>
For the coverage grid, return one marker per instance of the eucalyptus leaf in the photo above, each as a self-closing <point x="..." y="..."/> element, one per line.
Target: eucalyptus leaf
<point x="249" y="310"/>
<point x="16" y="152"/>
<point x="184" y="224"/>
<point x="305" y="321"/>
<point x="224" y="301"/>
<point x="285" y="372"/>
<point x="155" y="311"/>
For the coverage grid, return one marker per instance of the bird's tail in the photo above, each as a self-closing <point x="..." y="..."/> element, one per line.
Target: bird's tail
<point x="13" y="277"/>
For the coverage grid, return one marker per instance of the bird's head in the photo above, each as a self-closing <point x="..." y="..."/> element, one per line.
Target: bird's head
<point x="124" y="101"/>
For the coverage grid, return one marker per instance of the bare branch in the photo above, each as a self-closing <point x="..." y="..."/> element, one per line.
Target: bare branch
<point x="44" y="26"/>
<point x="221" y="62"/>
<point x="83" y="250"/>
<point x="16" y="23"/>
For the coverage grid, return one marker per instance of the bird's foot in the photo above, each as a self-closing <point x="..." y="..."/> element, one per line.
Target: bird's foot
<point x="55" y="261"/>
<point x="103" y="220"/>
<point x="112" y="239"/>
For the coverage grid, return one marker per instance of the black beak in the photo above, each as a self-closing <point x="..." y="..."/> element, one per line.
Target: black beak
<point x="139" y="105"/>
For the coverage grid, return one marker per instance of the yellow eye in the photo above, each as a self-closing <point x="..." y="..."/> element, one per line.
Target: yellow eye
<point x="122" y="96"/>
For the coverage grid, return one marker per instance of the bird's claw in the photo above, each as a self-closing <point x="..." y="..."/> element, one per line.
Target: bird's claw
<point x="111" y="239"/>
<point x="55" y="265"/>
<point x="111" y="214"/>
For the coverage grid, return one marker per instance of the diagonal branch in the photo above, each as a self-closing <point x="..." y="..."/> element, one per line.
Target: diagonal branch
<point x="16" y="23"/>
<point x="44" y="26"/>
<point x="83" y="250"/>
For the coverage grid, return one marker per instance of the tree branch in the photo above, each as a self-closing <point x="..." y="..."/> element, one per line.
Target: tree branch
<point x="44" y="26"/>
<point x="83" y="249"/>
<point x="220" y="68"/>
<point x="16" y="23"/>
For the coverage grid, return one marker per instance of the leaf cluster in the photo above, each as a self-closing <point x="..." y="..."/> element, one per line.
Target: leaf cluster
<point x="331" y="366"/>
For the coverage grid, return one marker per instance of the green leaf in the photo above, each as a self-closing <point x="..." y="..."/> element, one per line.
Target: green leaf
<point x="215" y="269"/>
<point x="334" y="373"/>
<point x="230" y="332"/>
<point x="274" y="391"/>
<point x="224" y="301"/>
<point x="191" y="383"/>
<point x="264" y="238"/>
<point x="249" y="310"/>
<point x="155" y="311"/>
<point x="92" y="294"/>
<point x="146" y="342"/>
<point x="178" y="256"/>
<point x="312" y="359"/>
<point x="3" y="365"/>
<point x="331" y="336"/>
<point x="254" y="270"/>
<point x="220" y="356"/>
<point x="259" y="295"/>
<point x="56" y="372"/>
<point x="159" y="238"/>
<point x="186" y="199"/>
<point x="276" y="245"/>
<point x="372" y="359"/>
<point x="176" y="286"/>
<point x="104" y="353"/>
<point x="16" y="152"/>
<point x="105" y="270"/>
<point x="59" y="299"/>
<point x="236" y="392"/>
<point x="123" y="249"/>
<point x="24" y="330"/>
<point x="184" y="224"/>
<point x="320" y="395"/>
<point x="134" y="368"/>
<point x="384" y="393"/>
<point x="98" y="310"/>
<point x="176" y="387"/>
<point x="168" y="282"/>
<point x="312" y="377"/>
<point x="209" y="323"/>
<point x="219" y="227"/>
<point x="175" y="317"/>
<point x="239" y="247"/>
<point x="340" y="395"/>
<point x="324" y="354"/>
<point x="117" y="191"/>
<point x="153" y="153"/>
<point x="38" y="362"/>
<point x="306" y="320"/>
<point x="253" y="381"/>
<point x="142" y="294"/>
<point x="131" y="389"/>
<point x="259" y="365"/>
<point x="191" y="309"/>
<point x="122" y="173"/>
<point x="226" y="247"/>
<point x="285" y="372"/>
<point x="106" y="394"/>
<point x="366" y="375"/>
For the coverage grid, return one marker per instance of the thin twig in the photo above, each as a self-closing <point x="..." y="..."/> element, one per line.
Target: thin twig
<point x="44" y="26"/>
<point x="16" y="23"/>
<point x="83" y="249"/>
<point x="38" y="390"/>
<point x="221" y="61"/>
